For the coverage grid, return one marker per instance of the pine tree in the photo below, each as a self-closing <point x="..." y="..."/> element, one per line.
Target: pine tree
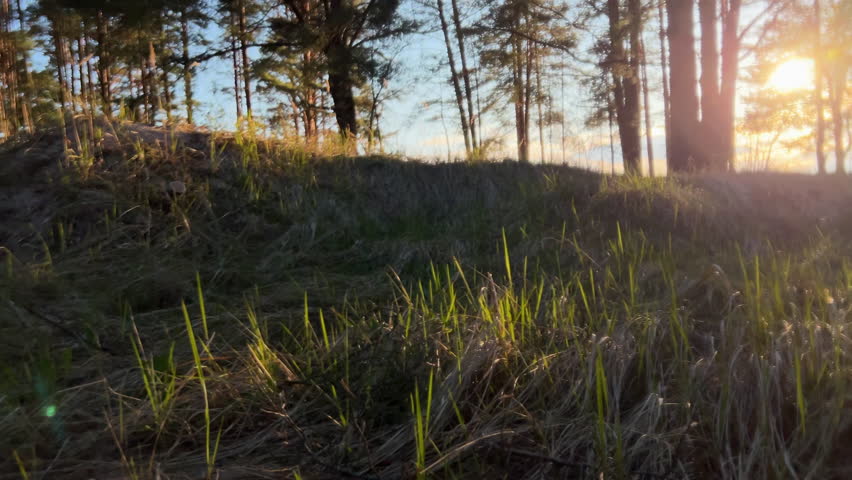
<point x="347" y="35"/>
<point x="513" y="34"/>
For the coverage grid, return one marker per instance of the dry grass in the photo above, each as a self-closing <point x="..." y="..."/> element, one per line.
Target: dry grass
<point x="375" y="318"/>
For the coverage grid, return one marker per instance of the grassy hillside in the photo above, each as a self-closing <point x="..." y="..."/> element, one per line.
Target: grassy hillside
<point x="191" y="306"/>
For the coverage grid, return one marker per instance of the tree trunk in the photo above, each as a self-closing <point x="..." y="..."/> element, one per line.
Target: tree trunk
<point x="728" y="91"/>
<point x="521" y="129"/>
<point x="154" y="91"/>
<point x="70" y="68"/>
<point x="104" y="65"/>
<point x="59" y="59"/>
<point x="527" y="93"/>
<point x="465" y="75"/>
<point x="647" y="108"/>
<point x="684" y="101"/>
<point x="455" y="79"/>
<point x="167" y="95"/>
<point x="244" y="52"/>
<point x="4" y="124"/>
<point x="625" y="81"/>
<point x="610" y="115"/>
<point x="90" y="76"/>
<point x="836" y="87"/>
<point x="30" y="87"/>
<point x="538" y="100"/>
<point x="631" y="139"/>
<point x="818" y="78"/>
<point x="667" y="109"/>
<point x="187" y="68"/>
<point x="295" y="106"/>
<point x="236" y="65"/>
<point x="341" y="89"/>
<point x="708" y="156"/>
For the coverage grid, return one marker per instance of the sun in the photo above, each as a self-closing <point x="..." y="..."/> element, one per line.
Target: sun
<point x="792" y="75"/>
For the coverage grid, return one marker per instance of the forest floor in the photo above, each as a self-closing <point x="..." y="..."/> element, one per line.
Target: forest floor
<point x="224" y="307"/>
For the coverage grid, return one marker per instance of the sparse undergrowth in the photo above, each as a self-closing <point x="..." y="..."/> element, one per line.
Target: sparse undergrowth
<point x="249" y="311"/>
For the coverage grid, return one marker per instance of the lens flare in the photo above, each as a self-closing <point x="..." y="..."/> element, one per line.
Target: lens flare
<point x="792" y="75"/>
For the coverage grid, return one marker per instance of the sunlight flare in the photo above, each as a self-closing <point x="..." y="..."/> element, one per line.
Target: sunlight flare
<point x="792" y="75"/>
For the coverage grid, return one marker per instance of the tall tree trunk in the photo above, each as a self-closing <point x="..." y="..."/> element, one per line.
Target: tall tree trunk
<point x="528" y="90"/>
<point x="538" y="100"/>
<point x="818" y="78"/>
<point x="146" y="90"/>
<point x="465" y="73"/>
<point x="187" y="68"/>
<point x="521" y="130"/>
<point x="665" y="71"/>
<point x="4" y="123"/>
<point x="728" y="90"/>
<point x="624" y="71"/>
<point x="647" y="108"/>
<point x="818" y="87"/>
<point x="310" y="110"/>
<point x="154" y="91"/>
<point x="708" y="155"/>
<point x="245" y="58"/>
<point x="166" y="87"/>
<point x="236" y="65"/>
<point x="295" y="106"/>
<point x="71" y="70"/>
<point x="341" y="89"/>
<point x="8" y="52"/>
<point x="455" y="79"/>
<point x="104" y="64"/>
<point x="610" y="116"/>
<point x="30" y="86"/>
<point x="84" y="88"/>
<point x="632" y="94"/>
<point x="59" y="59"/>
<point x="836" y="87"/>
<point x="90" y="76"/>
<point x="684" y="101"/>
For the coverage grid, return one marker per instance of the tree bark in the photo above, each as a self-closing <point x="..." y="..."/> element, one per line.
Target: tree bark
<point x="836" y="89"/>
<point x="455" y="79"/>
<point x="624" y="71"/>
<point x="30" y="87"/>
<point x="647" y="108"/>
<point x="684" y="101"/>
<point x="728" y="90"/>
<point x="187" y="67"/>
<point x="521" y="130"/>
<point x="236" y="67"/>
<point x="818" y="78"/>
<point x="245" y="58"/>
<point x="153" y="90"/>
<point x="665" y="71"/>
<point x="465" y="73"/>
<point x="4" y="123"/>
<point x="538" y="100"/>
<point x="708" y="155"/>
<point x="59" y="59"/>
<point x="528" y="92"/>
<point x="340" y="86"/>
<point x="632" y="151"/>
<point x="104" y="64"/>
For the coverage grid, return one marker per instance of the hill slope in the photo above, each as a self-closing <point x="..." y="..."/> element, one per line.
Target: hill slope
<point x="377" y="318"/>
